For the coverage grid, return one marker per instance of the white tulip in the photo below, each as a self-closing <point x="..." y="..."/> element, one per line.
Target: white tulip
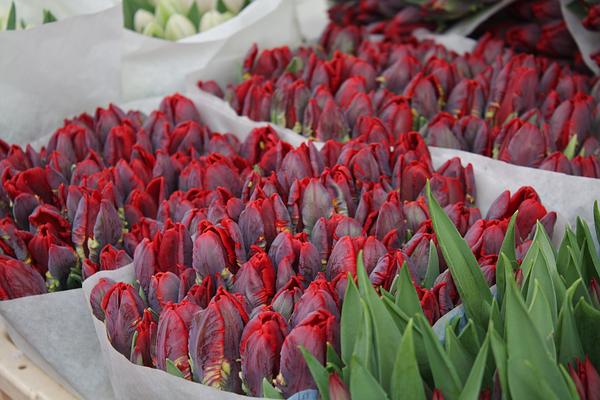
<point x="206" y="5"/>
<point x="234" y="6"/>
<point x="179" y="27"/>
<point x="183" y="6"/>
<point x="142" y="19"/>
<point x="212" y="19"/>
<point x="163" y="11"/>
<point x="155" y="30"/>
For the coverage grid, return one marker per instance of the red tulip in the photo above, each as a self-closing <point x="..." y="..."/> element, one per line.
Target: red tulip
<point x="219" y="326"/>
<point x="319" y="295"/>
<point x="97" y="295"/>
<point x="172" y="336"/>
<point x="18" y="279"/>
<point x="313" y="332"/>
<point x="260" y="347"/>
<point x="143" y="351"/>
<point x="123" y="309"/>
<point x="255" y="280"/>
<point x="586" y="379"/>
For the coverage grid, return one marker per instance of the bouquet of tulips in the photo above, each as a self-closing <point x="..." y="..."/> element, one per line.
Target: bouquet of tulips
<point x="242" y="250"/>
<point x="177" y="19"/>
<point x="398" y="18"/>
<point x="535" y="26"/>
<point x="541" y="321"/>
<point x="518" y="108"/>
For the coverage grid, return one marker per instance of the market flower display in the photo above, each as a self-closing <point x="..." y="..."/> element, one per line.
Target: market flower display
<point x="518" y="108"/>
<point x="351" y="265"/>
<point x="178" y="19"/>
<point x="242" y="251"/>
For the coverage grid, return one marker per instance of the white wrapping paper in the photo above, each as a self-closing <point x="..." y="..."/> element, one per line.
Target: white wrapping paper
<point x="56" y="70"/>
<point x="55" y="332"/>
<point x="312" y="18"/>
<point x="155" y="67"/>
<point x="466" y="26"/>
<point x="587" y="41"/>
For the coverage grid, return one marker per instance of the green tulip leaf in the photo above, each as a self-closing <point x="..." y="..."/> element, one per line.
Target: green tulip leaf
<point x="461" y="359"/>
<point x="269" y="391"/>
<point x="527" y="351"/>
<point x="445" y="376"/>
<point x="433" y="266"/>
<point x="406" y="295"/>
<point x="539" y="310"/>
<point x="351" y="320"/>
<point x="363" y="385"/>
<point x="587" y="319"/>
<point x="318" y="372"/>
<point x="11" y="19"/>
<point x="386" y="334"/>
<point x="406" y="379"/>
<point x="568" y="343"/>
<point x="470" y="282"/>
<point x="48" y="17"/>
<point x="472" y="386"/>
<point x="333" y="358"/>
<point x="173" y="370"/>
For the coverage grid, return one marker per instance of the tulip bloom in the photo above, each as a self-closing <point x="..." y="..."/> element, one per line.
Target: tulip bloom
<point x="320" y="295"/>
<point x="172" y="336"/>
<point x="218" y="327"/>
<point x="123" y="309"/>
<point x="313" y="332"/>
<point x="97" y="295"/>
<point x="255" y="280"/>
<point x="143" y="351"/>
<point x="260" y="348"/>
<point x="18" y="279"/>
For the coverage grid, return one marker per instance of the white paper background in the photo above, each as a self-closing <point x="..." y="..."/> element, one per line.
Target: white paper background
<point x="57" y="70"/>
<point x="56" y="333"/>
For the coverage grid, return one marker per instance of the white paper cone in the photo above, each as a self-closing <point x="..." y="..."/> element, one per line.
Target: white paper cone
<point x="155" y="67"/>
<point x="57" y="70"/>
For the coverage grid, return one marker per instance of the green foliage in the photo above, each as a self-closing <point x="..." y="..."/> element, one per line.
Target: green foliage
<point x="522" y="339"/>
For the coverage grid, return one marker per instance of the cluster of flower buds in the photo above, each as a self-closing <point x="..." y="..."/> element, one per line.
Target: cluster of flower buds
<point x="591" y="12"/>
<point x="242" y="250"/>
<point x="518" y="108"/>
<point x="79" y="205"/>
<point x="177" y="19"/>
<point x="398" y="18"/>
<point x="537" y="27"/>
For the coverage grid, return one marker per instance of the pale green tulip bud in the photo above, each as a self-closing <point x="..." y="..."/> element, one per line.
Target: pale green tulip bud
<point x="205" y="6"/>
<point x="155" y="30"/>
<point x="163" y="11"/>
<point x="212" y="19"/>
<point x="183" y="6"/>
<point x="142" y="19"/>
<point x="179" y="27"/>
<point x="234" y="6"/>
